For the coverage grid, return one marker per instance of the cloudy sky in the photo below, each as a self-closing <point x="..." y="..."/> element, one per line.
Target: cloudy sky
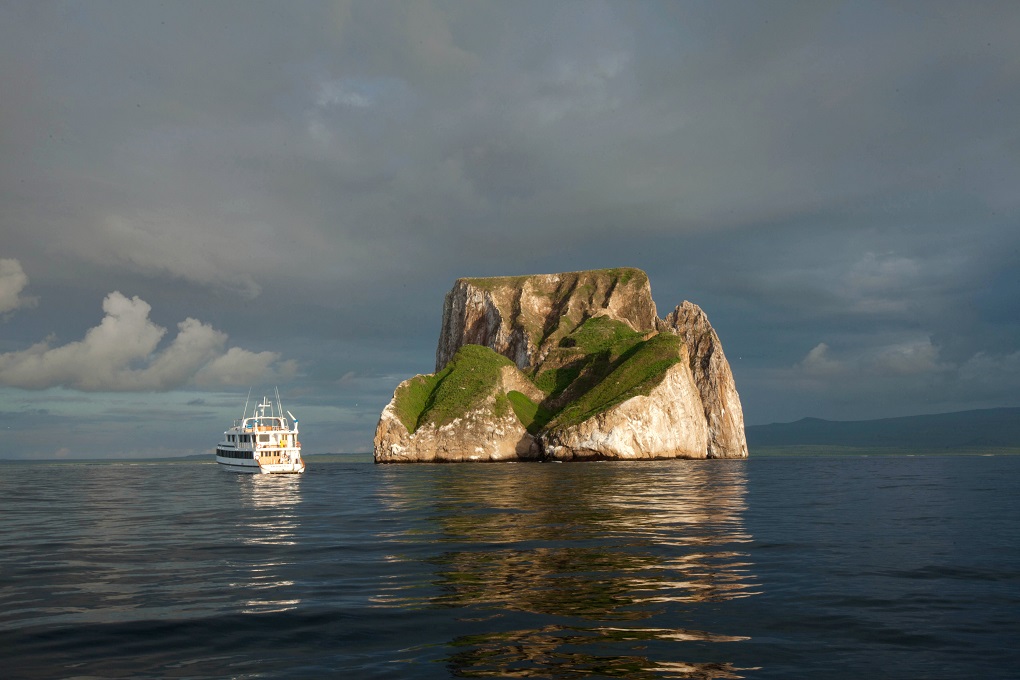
<point x="200" y="197"/>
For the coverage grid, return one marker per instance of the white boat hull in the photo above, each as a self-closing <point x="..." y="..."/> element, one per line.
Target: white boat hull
<point x="255" y="467"/>
<point x="243" y="466"/>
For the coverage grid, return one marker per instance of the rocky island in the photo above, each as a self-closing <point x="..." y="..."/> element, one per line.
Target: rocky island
<point x="573" y="366"/>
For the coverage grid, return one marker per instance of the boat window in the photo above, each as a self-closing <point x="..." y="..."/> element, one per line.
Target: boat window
<point x="263" y="437"/>
<point x="248" y="455"/>
<point x="237" y="454"/>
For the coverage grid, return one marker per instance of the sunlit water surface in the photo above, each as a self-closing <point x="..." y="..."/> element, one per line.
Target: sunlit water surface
<point x="780" y="567"/>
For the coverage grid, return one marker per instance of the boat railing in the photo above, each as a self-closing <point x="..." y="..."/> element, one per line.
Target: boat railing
<point x="264" y="425"/>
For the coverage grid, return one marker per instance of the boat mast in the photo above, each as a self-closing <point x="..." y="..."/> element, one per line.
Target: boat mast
<point x="244" y="413"/>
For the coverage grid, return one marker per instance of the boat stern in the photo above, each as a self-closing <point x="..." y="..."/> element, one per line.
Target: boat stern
<point x="281" y="464"/>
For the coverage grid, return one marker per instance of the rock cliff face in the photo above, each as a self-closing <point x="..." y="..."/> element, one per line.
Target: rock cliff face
<point x="483" y="427"/>
<point x="523" y="317"/>
<point x="566" y="367"/>
<point x="478" y="435"/>
<point x="711" y="373"/>
<point x="667" y="423"/>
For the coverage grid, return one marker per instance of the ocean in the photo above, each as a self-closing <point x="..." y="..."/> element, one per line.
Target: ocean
<point x="773" y="567"/>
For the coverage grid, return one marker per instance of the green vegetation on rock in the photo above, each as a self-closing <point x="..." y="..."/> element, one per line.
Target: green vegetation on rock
<point x="412" y="397"/>
<point x="491" y="283"/>
<point x="532" y="416"/>
<point x="602" y="334"/>
<point x="634" y="372"/>
<point x="602" y="363"/>
<point x="623" y="275"/>
<point x="587" y="354"/>
<point x="469" y="378"/>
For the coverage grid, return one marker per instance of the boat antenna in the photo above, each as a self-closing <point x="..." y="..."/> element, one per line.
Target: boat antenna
<point x="279" y="404"/>
<point x="244" y="413"/>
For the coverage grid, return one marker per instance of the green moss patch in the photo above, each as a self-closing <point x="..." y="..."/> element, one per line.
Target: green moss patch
<point x="412" y="397"/>
<point x="636" y="372"/>
<point x="554" y="381"/>
<point x="533" y="416"/>
<point x="625" y="275"/>
<point x="587" y="354"/>
<point x="602" y="334"/>
<point x="469" y="379"/>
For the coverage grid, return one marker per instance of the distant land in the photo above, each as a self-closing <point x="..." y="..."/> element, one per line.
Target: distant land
<point x="984" y="429"/>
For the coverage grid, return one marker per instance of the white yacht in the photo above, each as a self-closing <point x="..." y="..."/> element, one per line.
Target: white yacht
<point x="265" y="442"/>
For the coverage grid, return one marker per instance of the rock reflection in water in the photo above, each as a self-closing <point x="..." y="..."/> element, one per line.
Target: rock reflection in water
<point x="594" y="547"/>
<point x="559" y="652"/>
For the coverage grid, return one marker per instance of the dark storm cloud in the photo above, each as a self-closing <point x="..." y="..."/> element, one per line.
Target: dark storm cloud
<point x="833" y="182"/>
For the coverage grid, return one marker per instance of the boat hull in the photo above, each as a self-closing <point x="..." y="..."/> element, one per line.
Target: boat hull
<point x="244" y="467"/>
<point x="252" y="467"/>
<point x="283" y="469"/>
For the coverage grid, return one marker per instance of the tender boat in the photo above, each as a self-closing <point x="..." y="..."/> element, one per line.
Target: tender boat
<point x="265" y="442"/>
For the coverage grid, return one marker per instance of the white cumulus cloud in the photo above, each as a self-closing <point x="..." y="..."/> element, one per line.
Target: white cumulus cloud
<point x="819" y="363"/>
<point x="910" y="357"/>
<point x="12" y="282"/>
<point x="241" y="367"/>
<point x="914" y="357"/>
<point x="121" y="354"/>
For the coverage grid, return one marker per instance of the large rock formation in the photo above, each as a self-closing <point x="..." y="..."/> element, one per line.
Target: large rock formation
<point x="566" y="367"/>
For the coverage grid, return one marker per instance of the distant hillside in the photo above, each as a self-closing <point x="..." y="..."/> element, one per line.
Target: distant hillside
<point x="986" y="428"/>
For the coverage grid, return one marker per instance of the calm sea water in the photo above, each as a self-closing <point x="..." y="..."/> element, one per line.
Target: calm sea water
<point x="779" y="567"/>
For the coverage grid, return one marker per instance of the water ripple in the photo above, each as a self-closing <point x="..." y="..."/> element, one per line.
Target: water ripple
<point x="775" y="568"/>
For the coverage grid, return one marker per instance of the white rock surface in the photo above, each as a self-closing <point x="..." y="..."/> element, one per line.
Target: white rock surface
<point x="712" y="374"/>
<point x="668" y="423"/>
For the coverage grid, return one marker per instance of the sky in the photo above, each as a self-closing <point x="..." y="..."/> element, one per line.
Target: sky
<point x="198" y="198"/>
